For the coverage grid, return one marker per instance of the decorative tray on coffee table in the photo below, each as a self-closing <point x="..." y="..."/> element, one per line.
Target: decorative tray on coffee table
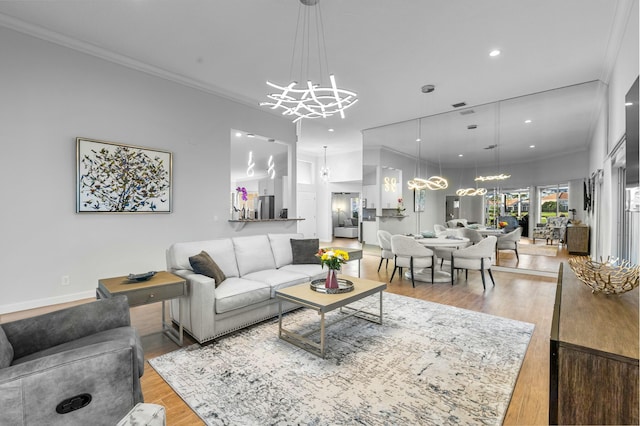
<point x="344" y="286"/>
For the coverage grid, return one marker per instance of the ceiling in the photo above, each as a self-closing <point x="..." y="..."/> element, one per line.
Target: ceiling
<point x="384" y="50"/>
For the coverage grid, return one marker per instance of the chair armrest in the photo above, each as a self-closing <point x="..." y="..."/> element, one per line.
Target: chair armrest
<point x="34" y="334"/>
<point x="198" y="306"/>
<point x="30" y="392"/>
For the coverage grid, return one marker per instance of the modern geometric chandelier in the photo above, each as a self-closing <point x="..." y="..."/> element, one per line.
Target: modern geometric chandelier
<point x="311" y="100"/>
<point x="471" y="191"/>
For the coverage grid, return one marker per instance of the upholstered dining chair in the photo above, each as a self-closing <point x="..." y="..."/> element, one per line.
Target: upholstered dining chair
<point x="384" y="241"/>
<point x="476" y="257"/>
<point x="439" y="229"/>
<point x="411" y="254"/>
<point x="473" y="235"/>
<point x="509" y="242"/>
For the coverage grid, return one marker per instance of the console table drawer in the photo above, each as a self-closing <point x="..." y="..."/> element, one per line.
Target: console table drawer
<point x="155" y="294"/>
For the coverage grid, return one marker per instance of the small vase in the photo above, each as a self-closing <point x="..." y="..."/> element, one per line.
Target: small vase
<point x="332" y="279"/>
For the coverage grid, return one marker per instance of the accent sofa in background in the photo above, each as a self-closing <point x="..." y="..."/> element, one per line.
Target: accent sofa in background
<point x="76" y="366"/>
<point x="249" y="270"/>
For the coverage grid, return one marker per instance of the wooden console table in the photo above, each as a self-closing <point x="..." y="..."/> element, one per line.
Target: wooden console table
<point x="594" y="355"/>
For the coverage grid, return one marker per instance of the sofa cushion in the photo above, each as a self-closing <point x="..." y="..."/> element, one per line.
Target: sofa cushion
<point x="121" y="333"/>
<point x="6" y="350"/>
<point x="220" y="250"/>
<point x="281" y="248"/>
<point x="278" y="278"/>
<point x="311" y="271"/>
<point x="203" y="264"/>
<point x="253" y="254"/>
<point x="304" y="251"/>
<point x="236" y="293"/>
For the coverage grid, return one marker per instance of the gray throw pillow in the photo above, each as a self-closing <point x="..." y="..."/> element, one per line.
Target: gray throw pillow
<point x="203" y="264"/>
<point x="6" y="350"/>
<point x="304" y="251"/>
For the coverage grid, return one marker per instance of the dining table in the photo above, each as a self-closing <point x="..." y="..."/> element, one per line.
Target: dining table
<point x="485" y="232"/>
<point x="439" y="276"/>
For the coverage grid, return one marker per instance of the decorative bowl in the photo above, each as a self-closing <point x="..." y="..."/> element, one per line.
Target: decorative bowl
<point x="141" y="277"/>
<point x="606" y="277"/>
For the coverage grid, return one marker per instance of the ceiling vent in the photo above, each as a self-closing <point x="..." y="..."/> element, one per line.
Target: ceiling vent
<point x="467" y="112"/>
<point x="495" y="145"/>
<point x="472" y="126"/>
<point x="459" y="104"/>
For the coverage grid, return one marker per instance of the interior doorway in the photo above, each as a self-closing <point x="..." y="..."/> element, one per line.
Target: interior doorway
<point x="452" y="207"/>
<point x="345" y="211"/>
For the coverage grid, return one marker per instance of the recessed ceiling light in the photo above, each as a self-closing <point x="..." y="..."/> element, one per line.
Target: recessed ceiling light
<point x="238" y="134"/>
<point x="418" y="140"/>
<point x="331" y="130"/>
<point x="527" y="121"/>
<point x="460" y="155"/>
<point x="628" y="103"/>
<point x="251" y="135"/>
<point x="494" y="52"/>
<point x="532" y="146"/>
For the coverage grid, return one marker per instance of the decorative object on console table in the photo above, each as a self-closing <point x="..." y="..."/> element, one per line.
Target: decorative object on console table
<point x="105" y="185"/>
<point x="608" y="277"/>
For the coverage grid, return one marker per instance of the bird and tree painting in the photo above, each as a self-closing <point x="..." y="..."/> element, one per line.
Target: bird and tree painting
<point x="122" y="178"/>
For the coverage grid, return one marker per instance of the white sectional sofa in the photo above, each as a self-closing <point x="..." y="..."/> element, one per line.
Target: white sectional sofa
<point x="254" y="267"/>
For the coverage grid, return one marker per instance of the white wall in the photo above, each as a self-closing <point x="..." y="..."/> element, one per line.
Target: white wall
<point x="610" y="130"/>
<point x="50" y="96"/>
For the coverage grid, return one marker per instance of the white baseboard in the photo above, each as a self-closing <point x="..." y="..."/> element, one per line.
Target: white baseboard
<point x="39" y="303"/>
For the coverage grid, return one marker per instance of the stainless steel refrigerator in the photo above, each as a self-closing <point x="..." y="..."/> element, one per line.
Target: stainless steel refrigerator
<point x="267" y="206"/>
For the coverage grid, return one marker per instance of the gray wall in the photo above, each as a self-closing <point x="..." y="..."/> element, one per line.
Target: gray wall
<point x="51" y="95"/>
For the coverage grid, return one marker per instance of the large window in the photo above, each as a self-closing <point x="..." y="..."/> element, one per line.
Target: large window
<point x="506" y="202"/>
<point x="553" y="200"/>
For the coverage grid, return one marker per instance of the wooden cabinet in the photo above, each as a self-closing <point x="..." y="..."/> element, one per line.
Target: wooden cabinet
<point x="593" y="355"/>
<point x="578" y="239"/>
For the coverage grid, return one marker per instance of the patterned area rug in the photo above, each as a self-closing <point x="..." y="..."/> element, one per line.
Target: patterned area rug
<point x="428" y="364"/>
<point x="537" y="250"/>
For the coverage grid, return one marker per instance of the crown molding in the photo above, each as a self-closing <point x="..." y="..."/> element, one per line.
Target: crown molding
<point x="126" y="61"/>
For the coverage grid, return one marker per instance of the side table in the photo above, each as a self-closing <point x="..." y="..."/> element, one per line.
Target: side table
<point x="161" y="287"/>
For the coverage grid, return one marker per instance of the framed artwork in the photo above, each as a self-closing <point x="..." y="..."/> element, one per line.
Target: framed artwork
<point x="117" y="178"/>
<point x="419" y="196"/>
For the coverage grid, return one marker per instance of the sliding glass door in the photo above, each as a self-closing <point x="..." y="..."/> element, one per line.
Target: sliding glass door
<point x="553" y="200"/>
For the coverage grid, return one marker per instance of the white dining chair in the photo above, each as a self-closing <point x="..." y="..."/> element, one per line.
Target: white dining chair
<point x="384" y="241"/>
<point x="509" y="242"/>
<point x="411" y="254"/>
<point x="478" y="257"/>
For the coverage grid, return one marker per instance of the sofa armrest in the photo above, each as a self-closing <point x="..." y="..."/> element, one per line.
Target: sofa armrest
<point x="34" y="334"/>
<point x="30" y="392"/>
<point x="198" y="307"/>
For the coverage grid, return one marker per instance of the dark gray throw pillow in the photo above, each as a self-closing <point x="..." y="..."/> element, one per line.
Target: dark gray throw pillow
<point x="203" y="264"/>
<point x="6" y="350"/>
<point x="304" y="251"/>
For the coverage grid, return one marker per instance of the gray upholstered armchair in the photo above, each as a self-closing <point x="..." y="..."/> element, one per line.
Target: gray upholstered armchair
<point x="76" y="366"/>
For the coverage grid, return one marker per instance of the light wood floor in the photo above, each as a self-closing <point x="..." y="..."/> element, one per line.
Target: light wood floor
<point x="518" y="296"/>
